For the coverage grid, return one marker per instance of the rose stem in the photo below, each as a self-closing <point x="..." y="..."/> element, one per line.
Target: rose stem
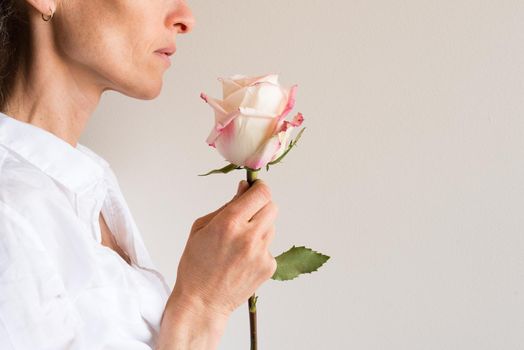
<point x="251" y="178"/>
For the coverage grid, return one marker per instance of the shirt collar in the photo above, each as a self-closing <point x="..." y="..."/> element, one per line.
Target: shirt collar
<point x="76" y="168"/>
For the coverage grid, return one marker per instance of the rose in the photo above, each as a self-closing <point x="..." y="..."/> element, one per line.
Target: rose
<point x="250" y="132"/>
<point x="250" y="129"/>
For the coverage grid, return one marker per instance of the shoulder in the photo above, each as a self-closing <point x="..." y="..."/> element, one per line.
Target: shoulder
<point x="25" y="188"/>
<point x="18" y="238"/>
<point x="18" y="174"/>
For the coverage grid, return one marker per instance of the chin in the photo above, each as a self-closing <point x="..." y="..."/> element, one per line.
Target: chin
<point x="145" y="91"/>
<point x="150" y="94"/>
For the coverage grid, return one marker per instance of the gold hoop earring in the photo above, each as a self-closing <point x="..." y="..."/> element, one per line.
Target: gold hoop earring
<point x="48" y="17"/>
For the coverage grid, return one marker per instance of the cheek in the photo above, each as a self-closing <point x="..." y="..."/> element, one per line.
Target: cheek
<point x="117" y="51"/>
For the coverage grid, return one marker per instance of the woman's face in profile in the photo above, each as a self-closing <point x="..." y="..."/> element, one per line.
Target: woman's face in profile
<point x="113" y="42"/>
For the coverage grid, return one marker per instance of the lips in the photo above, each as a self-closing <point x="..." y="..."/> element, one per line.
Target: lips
<point x="168" y="51"/>
<point x="165" y="53"/>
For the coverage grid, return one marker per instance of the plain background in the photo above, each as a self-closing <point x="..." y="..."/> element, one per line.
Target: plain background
<point x="410" y="174"/>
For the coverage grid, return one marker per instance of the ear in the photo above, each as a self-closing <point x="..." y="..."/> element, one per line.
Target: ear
<point x="43" y="6"/>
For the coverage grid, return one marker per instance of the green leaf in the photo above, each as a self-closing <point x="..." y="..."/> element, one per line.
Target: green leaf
<point x="224" y="170"/>
<point x="296" y="261"/>
<point x="291" y="144"/>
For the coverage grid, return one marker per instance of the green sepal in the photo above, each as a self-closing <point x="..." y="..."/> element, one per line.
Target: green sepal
<point x="224" y="170"/>
<point x="296" y="261"/>
<point x="291" y="144"/>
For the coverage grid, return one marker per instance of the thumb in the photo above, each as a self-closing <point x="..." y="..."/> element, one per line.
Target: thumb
<point x="242" y="187"/>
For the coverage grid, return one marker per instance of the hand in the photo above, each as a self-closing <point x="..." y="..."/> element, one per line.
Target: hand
<point x="226" y="257"/>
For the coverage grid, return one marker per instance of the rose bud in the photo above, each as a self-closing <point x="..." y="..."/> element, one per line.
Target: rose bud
<point x="250" y="129"/>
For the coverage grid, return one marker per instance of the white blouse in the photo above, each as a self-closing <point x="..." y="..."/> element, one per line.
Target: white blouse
<point x="60" y="288"/>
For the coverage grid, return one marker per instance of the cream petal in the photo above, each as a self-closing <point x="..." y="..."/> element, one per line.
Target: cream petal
<point x="268" y="78"/>
<point x="229" y="87"/>
<point x="248" y="81"/>
<point x="250" y="130"/>
<point x="265" y="153"/>
<point x="265" y="97"/>
<point x="285" y="133"/>
<point x="239" y="79"/>
<point x="283" y="137"/>
<point x="222" y="118"/>
<point x="297" y="120"/>
<point x="291" y="94"/>
<point x="217" y="105"/>
<point x="234" y="100"/>
<point x="262" y="92"/>
<point x="219" y="127"/>
<point x="259" y="125"/>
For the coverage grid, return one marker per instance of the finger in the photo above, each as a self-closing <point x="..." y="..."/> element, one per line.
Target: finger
<point x="242" y="187"/>
<point x="267" y="237"/>
<point x="265" y="217"/>
<point x="250" y="202"/>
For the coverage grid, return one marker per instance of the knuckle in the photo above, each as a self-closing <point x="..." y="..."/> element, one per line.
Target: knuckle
<point x="196" y="223"/>
<point x="229" y="225"/>
<point x="234" y="212"/>
<point x="247" y="242"/>
<point x="264" y="191"/>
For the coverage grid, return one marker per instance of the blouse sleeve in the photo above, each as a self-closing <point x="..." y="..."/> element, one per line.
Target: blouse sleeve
<point x="36" y="311"/>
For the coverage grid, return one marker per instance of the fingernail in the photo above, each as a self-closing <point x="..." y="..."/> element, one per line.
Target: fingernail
<point x="242" y="186"/>
<point x="239" y="187"/>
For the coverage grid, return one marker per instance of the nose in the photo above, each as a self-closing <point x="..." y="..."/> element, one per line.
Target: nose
<point x="181" y="17"/>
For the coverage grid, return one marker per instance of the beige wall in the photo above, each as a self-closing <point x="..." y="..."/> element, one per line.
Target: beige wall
<point x="410" y="173"/>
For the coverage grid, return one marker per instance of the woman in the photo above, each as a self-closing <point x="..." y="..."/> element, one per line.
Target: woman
<point x="74" y="271"/>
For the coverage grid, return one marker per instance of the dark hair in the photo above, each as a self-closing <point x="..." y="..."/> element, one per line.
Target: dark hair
<point x="14" y="43"/>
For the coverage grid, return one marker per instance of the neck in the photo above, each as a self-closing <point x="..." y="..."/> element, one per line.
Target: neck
<point x="53" y="94"/>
